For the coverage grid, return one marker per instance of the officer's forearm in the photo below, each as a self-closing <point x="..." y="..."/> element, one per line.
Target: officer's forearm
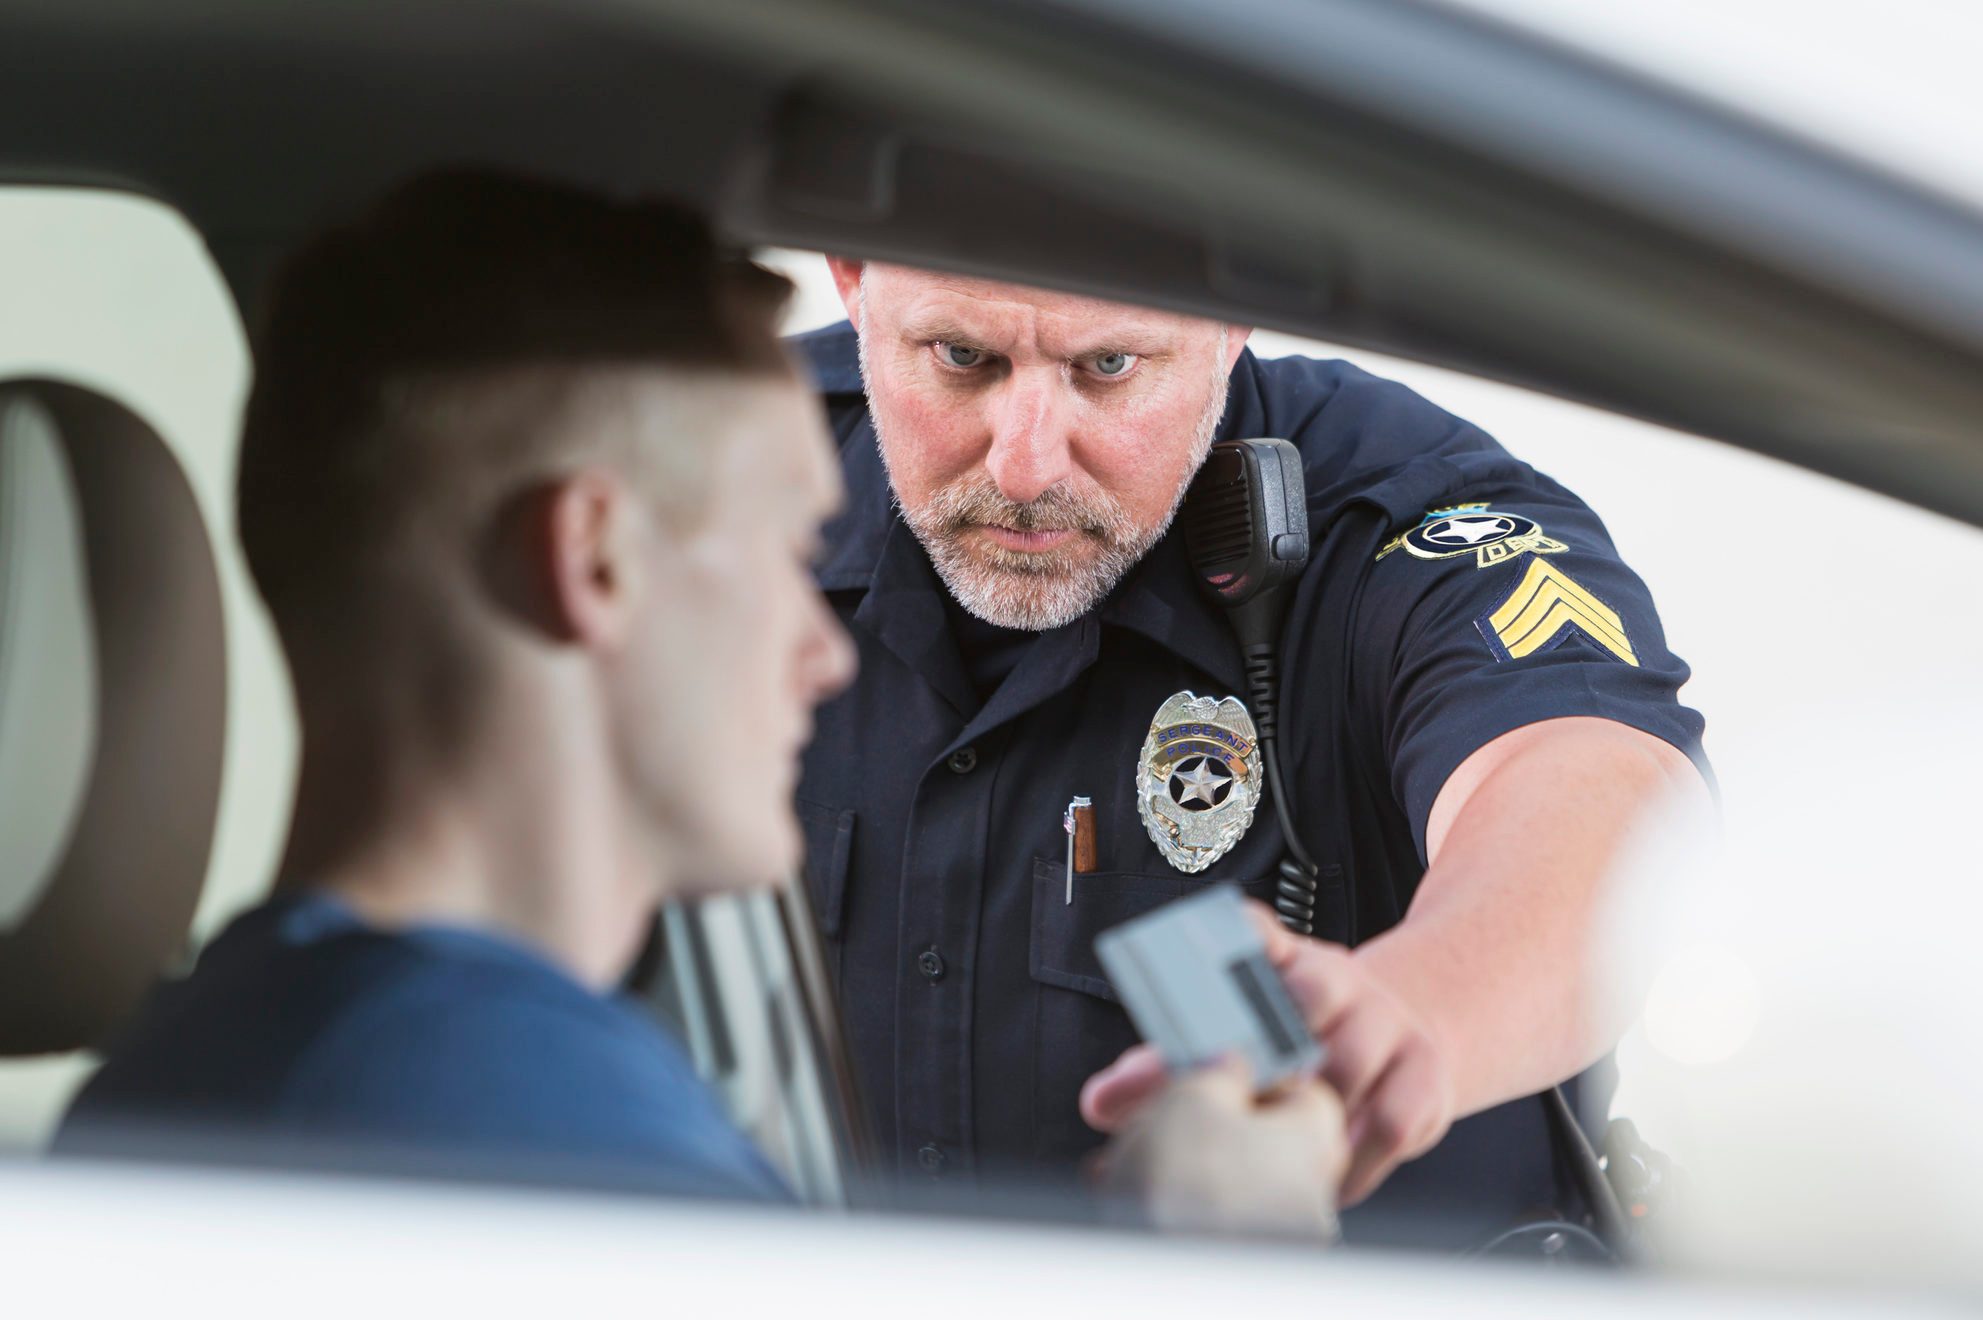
<point x="1495" y="952"/>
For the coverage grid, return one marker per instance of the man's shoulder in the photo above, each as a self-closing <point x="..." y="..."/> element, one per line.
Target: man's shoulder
<point x="442" y="1013"/>
<point x="219" y="1050"/>
<point x="1352" y="424"/>
<point x="833" y="354"/>
<point x="1366" y="440"/>
<point x="452" y="1049"/>
<point x="519" y="1074"/>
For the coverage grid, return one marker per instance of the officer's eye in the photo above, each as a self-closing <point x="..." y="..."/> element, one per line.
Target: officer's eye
<point x="957" y="355"/>
<point x="1112" y="364"/>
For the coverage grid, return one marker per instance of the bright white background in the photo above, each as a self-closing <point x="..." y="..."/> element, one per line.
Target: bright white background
<point x="1815" y="615"/>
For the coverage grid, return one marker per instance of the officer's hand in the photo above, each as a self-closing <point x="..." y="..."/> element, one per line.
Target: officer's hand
<point x="1381" y="1060"/>
<point x="1202" y="1155"/>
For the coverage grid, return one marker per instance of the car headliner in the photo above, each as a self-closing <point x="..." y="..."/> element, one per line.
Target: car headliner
<point x="1377" y="172"/>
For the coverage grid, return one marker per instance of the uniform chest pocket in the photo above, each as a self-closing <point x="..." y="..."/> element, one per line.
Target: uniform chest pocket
<point x="1074" y="1035"/>
<point x="1063" y="937"/>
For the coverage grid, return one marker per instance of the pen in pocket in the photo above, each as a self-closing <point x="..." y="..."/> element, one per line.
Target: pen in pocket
<point x="1079" y="822"/>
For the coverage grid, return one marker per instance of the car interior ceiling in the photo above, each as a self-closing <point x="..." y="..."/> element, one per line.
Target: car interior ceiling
<point x="1489" y="203"/>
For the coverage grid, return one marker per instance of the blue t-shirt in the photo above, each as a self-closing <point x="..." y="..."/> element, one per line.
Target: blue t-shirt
<point x="306" y="1036"/>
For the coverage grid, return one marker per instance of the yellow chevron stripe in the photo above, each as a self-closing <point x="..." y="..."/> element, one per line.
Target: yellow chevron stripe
<point x="1548" y="600"/>
<point x="1544" y="611"/>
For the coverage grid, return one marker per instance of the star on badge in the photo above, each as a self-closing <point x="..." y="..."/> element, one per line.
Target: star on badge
<point x="1196" y="785"/>
<point x="1198" y="779"/>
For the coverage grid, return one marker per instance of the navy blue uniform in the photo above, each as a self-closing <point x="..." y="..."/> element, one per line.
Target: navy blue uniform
<point x="933" y="792"/>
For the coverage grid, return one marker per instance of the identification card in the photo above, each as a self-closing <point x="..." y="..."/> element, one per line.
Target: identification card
<point x="1195" y="978"/>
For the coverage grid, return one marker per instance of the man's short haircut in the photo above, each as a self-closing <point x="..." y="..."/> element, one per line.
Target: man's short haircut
<point x="453" y="283"/>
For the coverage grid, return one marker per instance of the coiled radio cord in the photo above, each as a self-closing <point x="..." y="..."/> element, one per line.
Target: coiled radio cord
<point x="1298" y="888"/>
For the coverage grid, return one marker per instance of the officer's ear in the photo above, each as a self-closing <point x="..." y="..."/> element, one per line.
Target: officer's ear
<point x="847" y="279"/>
<point x="1236" y="337"/>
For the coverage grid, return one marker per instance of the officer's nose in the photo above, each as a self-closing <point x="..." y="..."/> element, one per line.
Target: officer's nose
<point x="1029" y="443"/>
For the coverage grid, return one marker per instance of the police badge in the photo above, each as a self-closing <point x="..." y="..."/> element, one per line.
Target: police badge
<point x="1198" y="780"/>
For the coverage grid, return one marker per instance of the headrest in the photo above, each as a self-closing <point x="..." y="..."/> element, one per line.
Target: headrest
<point x="113" y="691"/>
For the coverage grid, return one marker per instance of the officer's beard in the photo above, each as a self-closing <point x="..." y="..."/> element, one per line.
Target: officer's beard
<point x="1038" y="590"/>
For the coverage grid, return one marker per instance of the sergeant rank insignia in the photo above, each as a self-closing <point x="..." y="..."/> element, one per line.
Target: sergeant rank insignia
<point x="1198" y="780"/>
<point x="1546" y="607"/>
<point x="1491" y="537"/>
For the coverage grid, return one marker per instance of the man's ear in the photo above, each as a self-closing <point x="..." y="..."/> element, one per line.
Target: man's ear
<point x="847" y="279"/>
<point x="1236" y="337"/>
<point x="561" y="559"/>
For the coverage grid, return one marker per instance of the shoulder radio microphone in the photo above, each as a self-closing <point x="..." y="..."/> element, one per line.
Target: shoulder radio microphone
<point x="1245" y="522"/>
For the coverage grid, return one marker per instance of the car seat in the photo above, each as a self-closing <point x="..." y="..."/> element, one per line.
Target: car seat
<point x="113" y="692"/>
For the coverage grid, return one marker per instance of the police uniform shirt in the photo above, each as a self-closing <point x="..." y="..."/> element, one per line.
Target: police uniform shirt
<point x="933" y="792"/>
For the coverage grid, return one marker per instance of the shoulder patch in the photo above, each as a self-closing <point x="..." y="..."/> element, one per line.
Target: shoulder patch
<point x="1474" y="529"/>
<point x="1546" y="606"/>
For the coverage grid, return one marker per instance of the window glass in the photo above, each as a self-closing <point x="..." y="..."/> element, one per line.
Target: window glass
<point x="1893" y="85"/>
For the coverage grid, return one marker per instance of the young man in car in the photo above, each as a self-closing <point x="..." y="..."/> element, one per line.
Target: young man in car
<point x="531" y="490"/>
<point x="1478" y="708"/>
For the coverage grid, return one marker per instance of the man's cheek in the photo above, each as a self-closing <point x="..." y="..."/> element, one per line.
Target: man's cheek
<point x="1132" y="472"/>
<point x="938" y="428"/>
<point x="1164" y="417"/>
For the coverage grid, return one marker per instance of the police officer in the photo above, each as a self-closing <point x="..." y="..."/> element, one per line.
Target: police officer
<point x="1478" y="707"/>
